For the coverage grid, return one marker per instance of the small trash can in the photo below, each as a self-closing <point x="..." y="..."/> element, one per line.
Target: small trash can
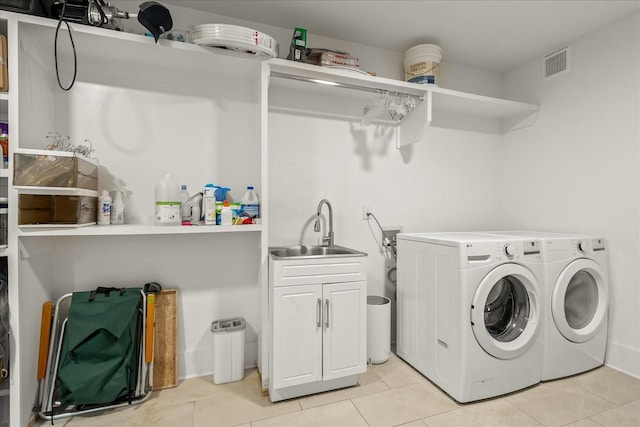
<point x="228" y="350"/>
<point x="378" y="329"/>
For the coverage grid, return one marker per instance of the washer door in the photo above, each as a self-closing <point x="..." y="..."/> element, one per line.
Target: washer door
<point x="505" y="312"/>
<point x="580" y="300"/>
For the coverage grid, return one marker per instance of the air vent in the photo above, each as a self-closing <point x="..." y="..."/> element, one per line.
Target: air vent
<point x="556" y="63"/>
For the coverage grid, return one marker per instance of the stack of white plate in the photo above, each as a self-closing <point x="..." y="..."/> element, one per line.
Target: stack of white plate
<point x="234" y="37"/>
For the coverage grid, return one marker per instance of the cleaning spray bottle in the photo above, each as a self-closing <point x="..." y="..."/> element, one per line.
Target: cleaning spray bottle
<point x="104" y="208"/>
<point x="117" y="209"/>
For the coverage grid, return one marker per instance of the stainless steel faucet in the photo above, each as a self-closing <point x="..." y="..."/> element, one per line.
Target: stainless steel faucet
<point x="328" y="239"/>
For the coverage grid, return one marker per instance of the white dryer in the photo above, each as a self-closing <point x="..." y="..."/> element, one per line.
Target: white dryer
<point x="468" y="312"/>
<point x="576" y="302"/>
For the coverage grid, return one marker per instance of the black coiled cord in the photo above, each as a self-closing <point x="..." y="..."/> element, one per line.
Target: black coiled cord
<point x="73" y="45"/>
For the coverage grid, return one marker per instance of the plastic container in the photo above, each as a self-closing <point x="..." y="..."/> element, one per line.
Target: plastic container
<point x="221" y="193"/>
<point x="48" y="168"/>
<point x="226" y="216"/>
<point x="167" y="201"/>
<point x="117" y="209"/>
<point x="378" y="329"/>
<point x="104" y="208"/>
<point x="219" y="205"/>
<point x="250" y="207"/>
<point x="209" y="204"/>
<point x="39" y="209"/>
<point x="422" y="64"/>
<point x="185" y="208"/>
<point x="228" y="350"/>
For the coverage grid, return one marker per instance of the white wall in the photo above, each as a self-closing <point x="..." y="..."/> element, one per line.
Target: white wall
<point x="579" y="174"/>
<point x="385" y="62"/>
<point x="577" y="169"/>
<point x="447" y="182"/>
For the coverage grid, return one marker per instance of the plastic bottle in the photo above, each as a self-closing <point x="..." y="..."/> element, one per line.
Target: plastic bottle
<point x="185" y="208"/>
<point x="250" y="207"/>
<point x="195" y="203"/>
<point x="167" y="201"/>
<point x="117" y="209"/>
<point x="104" y="208"/>
<point x="209" y="204"/>
<point x="4" y="143"/>
<point x="226" y="216"/>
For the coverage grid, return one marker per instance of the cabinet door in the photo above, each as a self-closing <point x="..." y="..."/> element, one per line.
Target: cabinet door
<point x="345" y="329"/>
<point x="297" y="335"/>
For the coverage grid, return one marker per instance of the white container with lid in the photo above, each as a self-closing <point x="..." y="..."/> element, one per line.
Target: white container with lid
<point x="422" y="64"/>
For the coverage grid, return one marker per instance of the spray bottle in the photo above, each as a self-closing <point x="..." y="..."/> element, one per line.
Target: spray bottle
<point x="195" y="202"/>
<point x="104" y="208"/>
<point x="117" y="209"/>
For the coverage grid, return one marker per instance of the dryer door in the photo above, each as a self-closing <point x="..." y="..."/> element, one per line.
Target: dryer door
<point x="579" y="301"/>
<point x="505" y="311"/>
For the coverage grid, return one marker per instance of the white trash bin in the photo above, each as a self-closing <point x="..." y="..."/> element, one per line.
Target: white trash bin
<point x="378" y="329"/>
<point x="228" y="350"/>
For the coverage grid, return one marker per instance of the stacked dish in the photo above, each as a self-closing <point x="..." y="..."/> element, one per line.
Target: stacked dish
<point x="234" y="37"/>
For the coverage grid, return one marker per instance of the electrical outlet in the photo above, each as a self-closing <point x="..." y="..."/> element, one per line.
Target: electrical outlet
<point x="366" y="210"/>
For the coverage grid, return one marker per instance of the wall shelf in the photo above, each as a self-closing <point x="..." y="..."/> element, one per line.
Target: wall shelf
<point x="440" y="107"/>
<point x="134" y="230"/>
<point x="55" y="191"/>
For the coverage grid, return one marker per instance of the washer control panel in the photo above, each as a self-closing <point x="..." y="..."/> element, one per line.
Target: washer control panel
<point x="508" y="250"/>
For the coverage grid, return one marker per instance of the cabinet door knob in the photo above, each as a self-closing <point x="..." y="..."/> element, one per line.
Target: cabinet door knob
<point x="319" y="313"/>
<point x="326" y="320"/>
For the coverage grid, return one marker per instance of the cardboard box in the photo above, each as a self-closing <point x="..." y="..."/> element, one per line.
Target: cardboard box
<point x="44" y="168"/>
<point x="56" y="209"/>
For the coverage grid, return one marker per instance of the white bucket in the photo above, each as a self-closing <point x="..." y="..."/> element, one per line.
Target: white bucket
<point x="422" y="63"/>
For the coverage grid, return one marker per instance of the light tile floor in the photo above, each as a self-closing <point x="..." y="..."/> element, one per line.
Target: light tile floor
<point x="389" y="394"/>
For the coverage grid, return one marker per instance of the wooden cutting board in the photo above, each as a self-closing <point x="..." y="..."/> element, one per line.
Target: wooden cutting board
<point x="165" y="347"/>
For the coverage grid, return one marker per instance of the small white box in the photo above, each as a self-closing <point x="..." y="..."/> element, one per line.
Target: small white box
<point x="228" y="350"/>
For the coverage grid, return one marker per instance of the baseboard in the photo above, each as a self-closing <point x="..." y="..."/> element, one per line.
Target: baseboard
<point x="623" y="358"/>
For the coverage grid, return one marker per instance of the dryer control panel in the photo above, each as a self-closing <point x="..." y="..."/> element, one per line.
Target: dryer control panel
<point x="586" y="246"/>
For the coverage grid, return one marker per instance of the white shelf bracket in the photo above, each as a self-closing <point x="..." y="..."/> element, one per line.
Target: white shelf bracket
<point x="413" y="127"/>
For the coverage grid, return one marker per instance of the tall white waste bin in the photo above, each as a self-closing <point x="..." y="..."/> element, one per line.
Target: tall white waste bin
<point x="378" y="329"/>
<point x="228" y="350"/>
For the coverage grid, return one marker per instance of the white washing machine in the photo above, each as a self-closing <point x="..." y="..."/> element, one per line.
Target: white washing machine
<point x="576" y="302"/>
<point x="468" y="311"/>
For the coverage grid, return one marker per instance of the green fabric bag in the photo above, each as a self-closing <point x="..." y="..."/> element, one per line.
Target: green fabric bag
<point x="100" y="349"/>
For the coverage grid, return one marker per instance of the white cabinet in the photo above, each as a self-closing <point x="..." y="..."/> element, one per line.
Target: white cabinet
<point x="318" y="327"/>
<point x="318" y="332"/>
<point x="344" y="344"/>
<point x="297" y="335"/>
